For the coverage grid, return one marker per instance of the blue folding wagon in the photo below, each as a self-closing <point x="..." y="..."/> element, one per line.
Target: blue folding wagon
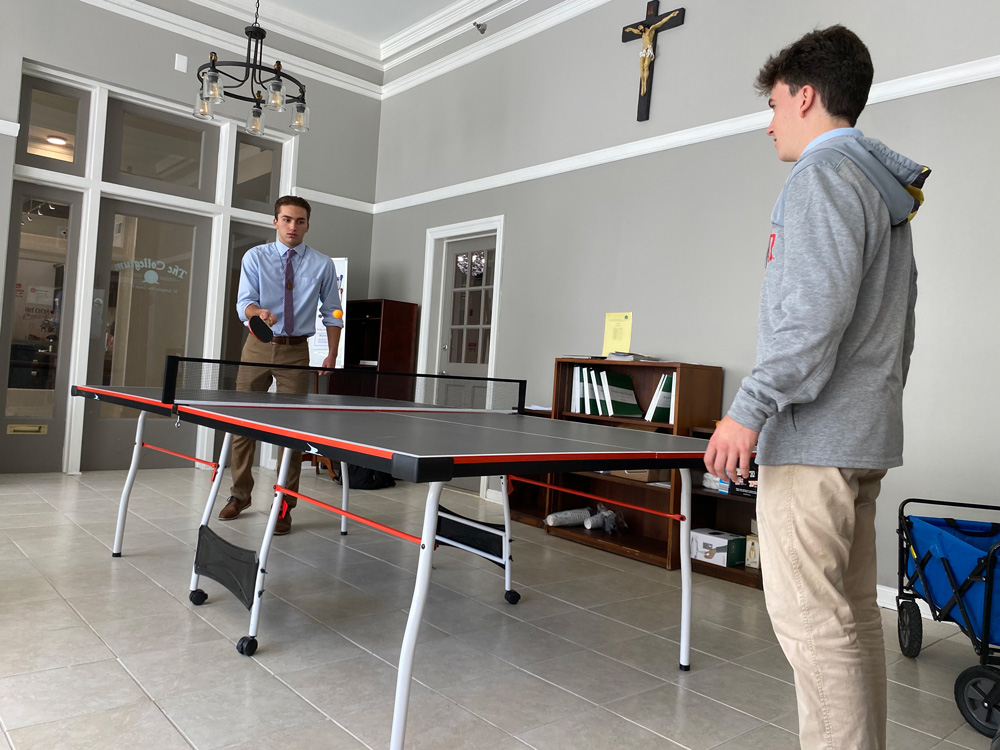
<point x="951" y="565"/>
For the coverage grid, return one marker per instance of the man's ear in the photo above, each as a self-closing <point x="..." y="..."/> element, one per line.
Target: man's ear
<point x="808" y="98"/>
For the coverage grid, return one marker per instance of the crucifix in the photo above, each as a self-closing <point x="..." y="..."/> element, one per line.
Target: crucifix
<point x="647" y="29"/>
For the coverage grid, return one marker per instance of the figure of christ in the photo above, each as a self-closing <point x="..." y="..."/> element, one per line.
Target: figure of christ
<point x="648" y="34"/>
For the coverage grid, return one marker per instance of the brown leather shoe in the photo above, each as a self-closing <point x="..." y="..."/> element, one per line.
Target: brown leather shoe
<point x="283" y="525"/>
<point x="234" y="506"/>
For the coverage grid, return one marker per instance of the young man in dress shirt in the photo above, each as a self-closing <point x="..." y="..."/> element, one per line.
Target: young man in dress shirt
<point x="282" y="283"/>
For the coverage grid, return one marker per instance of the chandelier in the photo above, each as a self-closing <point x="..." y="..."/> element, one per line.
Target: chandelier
<point x="478" y="263"/>
<point x="262" y="93"/>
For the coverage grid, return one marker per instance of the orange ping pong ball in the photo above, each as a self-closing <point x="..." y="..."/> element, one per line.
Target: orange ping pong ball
<point x="338" y="313"/>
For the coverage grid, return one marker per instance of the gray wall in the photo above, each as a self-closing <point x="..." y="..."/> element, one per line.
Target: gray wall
<point x="573" y="89"/>
<point x="678" y="237"/>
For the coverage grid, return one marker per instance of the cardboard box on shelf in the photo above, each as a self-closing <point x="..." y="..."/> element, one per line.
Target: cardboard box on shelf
<point x="718" y="547"/>
<point x="643" y="475"/>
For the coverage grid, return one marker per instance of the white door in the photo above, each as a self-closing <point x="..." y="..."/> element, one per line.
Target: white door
<point x="467" y="307"/>
<point x="463" y="269"/>
<point x="466" y="323"/>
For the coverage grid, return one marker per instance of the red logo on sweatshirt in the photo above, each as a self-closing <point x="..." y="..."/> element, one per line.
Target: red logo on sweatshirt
<point x="770" y="249"/>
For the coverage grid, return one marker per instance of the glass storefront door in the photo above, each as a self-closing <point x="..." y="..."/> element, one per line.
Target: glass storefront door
<point x="39" y="282"/>
<point x="150" y="287"/>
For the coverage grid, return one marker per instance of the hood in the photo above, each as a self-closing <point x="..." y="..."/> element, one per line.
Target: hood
<point x="898" y="179"/>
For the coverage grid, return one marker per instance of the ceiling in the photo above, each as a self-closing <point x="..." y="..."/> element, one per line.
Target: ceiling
<point x="364" y="25"/>
<point x="372" y="20"/>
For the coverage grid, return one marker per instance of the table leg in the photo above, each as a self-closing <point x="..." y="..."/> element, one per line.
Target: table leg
<point x="685" y="540"/>
<point x="265" y="547"/>
<point x="420" y="589"/>
<point x="343" y="503"/>
<point x="213" y="494"/>
<point x="508" y="536"/>
<point x="116" y="550"/>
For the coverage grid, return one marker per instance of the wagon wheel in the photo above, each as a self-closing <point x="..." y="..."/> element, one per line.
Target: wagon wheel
<point x="909" y="628"/>
<point x="977" y="693"/>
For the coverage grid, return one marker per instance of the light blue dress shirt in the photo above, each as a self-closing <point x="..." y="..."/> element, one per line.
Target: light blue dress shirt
<point x="836" y="132"/>
<point x="262" y="283"/>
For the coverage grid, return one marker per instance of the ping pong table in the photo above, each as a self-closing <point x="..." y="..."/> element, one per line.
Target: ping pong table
<point x="417" y="441"/>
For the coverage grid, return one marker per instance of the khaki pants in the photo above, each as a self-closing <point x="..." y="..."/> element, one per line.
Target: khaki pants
<point x="259" y="379"/>
<point x="817" y="544"/>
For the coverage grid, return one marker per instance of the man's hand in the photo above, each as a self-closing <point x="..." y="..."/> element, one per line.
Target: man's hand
<point x="730" y="449"/>
<point x="329" y="363"/>
<point x="264" y="314"/>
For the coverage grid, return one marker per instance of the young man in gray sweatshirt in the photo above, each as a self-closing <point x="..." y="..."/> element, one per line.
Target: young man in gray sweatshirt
<point x="823" y="403"/>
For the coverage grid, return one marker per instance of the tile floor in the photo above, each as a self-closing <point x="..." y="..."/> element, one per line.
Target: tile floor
<point x="108" y="653"/>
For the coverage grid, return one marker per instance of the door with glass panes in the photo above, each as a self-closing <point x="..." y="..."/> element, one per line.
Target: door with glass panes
<point x="467" y="307"/>
<point x="150" y="287"/>
<point x="38" y="300"/>
<point x="467" y="319"/>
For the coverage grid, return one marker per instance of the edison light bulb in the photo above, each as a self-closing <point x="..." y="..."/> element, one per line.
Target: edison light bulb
<point x="276" y="96"/>
<point x="300" y="117"/>
<point x="255" y="122"/>
<point x="203" y="107"/>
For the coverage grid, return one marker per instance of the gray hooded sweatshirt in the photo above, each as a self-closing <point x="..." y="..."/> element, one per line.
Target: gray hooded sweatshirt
<point x="836" y="323"/>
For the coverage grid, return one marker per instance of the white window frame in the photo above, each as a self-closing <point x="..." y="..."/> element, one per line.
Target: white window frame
<point x="92" y="187"/>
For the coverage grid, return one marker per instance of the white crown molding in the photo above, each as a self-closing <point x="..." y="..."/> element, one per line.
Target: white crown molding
<point x="442" y="36"/>
<point x="436" y="23"/>
<point x="162" y="19"/>
<point x="921" y="83"/>
<point x="935" y="80"/>
<point x="525" y="29"/>
<point x="329" y="199"/>
<point x="899" y="88"/>
<point x="302" y="28"/>
<point x="631" y="150"/>
<point x="9" y="128"/>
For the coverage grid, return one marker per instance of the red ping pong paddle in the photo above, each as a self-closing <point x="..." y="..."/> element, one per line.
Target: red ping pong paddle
<point x="261" y="330"/>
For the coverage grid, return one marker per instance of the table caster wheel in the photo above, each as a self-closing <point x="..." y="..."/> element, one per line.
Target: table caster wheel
<point x="198" y="597"/>
<point x="247" y="645"/>
<point x="512" y="597"/>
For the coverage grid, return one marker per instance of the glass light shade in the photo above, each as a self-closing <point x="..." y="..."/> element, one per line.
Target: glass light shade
<point x="275" y="96"/>
<point x="300" y="117"/>
<point x="203" y="107"/>
<point x="255" y="122"/>
<point x="211" y="89"/>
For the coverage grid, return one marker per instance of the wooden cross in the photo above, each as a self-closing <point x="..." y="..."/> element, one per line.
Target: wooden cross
<point x="647" y="30"/>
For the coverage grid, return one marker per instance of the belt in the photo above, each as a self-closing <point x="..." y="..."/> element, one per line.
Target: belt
<point x="289" y="339"/>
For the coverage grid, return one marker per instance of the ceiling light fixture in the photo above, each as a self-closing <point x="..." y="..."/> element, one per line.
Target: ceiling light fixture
<point x="56" y="140"/>
<point x="263" y="93"/>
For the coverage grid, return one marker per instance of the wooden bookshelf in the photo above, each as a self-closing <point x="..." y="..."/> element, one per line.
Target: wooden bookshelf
<point x="649" y="538"/>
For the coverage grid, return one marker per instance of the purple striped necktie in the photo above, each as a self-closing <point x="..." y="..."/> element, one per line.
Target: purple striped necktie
<point x="289" y="312"/>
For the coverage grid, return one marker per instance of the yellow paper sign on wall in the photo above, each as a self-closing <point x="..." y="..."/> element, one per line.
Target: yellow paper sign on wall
<point x="617" y="332"/>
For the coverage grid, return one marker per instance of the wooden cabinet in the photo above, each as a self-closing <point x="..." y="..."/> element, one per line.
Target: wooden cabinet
<point x="649" y="538"/>
<point x="381" y="334"/>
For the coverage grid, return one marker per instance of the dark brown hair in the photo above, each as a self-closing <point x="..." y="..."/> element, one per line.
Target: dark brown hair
<point x="292" y="200"/>
<point x="834" y="61"/>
